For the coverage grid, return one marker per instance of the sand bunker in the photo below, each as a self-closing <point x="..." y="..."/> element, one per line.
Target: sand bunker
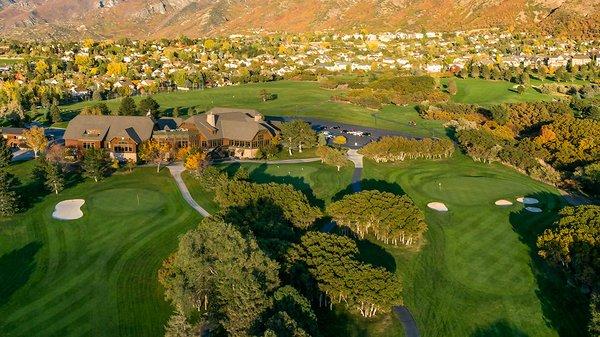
<point x="68" y="209"/>
<point x="438" y="206"/>
<point x="534" y="209"/>
<point x="528" y="201"/>
<point x="503" y="202"/>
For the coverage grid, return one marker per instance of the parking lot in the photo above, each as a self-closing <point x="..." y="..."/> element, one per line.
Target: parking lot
<point x="356" y="136"/>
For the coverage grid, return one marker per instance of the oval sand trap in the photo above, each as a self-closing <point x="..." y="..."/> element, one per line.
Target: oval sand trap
<point x="438" y="206"/>
<point x="534" y="209"/>
<point x="68" y="209"/>
<point x="503" y="202"/>
<point x="528" y="201"/>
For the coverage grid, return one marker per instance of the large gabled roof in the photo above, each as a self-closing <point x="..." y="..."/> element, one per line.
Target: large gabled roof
<point x="231" y="123"/>
<point x="86" y="127"/>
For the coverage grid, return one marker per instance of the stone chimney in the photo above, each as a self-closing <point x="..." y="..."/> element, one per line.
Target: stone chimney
<point x="258" y="117"/>
<point x="211" y="119"/>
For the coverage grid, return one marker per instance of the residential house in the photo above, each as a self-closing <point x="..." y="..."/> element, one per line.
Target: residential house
<point x="580" y="60"/>
<point x="14" y="137"/>
<point x="119" y="135"/>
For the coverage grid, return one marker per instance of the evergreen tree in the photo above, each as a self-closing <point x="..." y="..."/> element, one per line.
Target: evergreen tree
<point x="6" y="154"/>
<point x="9" y="199"/>
<point x="96" y="164"/>
<point x="127" y="107"/>
<point x="55" y="114"/>
<point x="55" y="179"/>
<point x="148" y="106"/>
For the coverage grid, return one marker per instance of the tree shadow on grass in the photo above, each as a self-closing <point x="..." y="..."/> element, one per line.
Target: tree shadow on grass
<point x="374" y="254"/>
<point x="564" y="307"/>
<point x="499" y="329"/>
<point x="370" y="184"/>
<point x="260" y="175"/>
<point x="339" y="322"/>
<point x="15" y="269"/>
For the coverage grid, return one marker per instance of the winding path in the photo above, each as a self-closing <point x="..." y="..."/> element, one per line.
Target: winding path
<point x="176" y="171"/>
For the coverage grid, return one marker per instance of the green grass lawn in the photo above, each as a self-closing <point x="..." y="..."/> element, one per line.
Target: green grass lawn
<point x="96" y="276"/>
<point x="478" y="274"/>
<point x="319" y="182"/>
<point x="488" y="92"/>
<point x="305" y="99"/>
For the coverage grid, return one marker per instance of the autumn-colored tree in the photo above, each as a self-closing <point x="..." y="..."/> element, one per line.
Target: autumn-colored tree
<point x="332" y="156"/>
<point x="195" y="161"/>
<point x="35" y="138"/>
<point x="339" y="140"/>
<point x="155" y="152"/>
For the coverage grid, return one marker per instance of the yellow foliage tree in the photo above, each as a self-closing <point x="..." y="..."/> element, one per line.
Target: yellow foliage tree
<point x="35" y="138"/>
<point x="155" y="152"/>
<point x="116" y="69"/>
<point x="195" y="161"/>
<point x="41" y="67"/>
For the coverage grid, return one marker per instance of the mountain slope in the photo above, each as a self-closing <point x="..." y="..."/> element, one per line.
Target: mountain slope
<point x="159" y="18"/>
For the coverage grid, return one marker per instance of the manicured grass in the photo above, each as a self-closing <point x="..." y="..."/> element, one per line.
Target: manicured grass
<point x="488" y="92"/>
<point x="478" y="273"/>
<point x="294" y="99"/>
<point x="318" y="181"/>
<point x="96" y="276"/>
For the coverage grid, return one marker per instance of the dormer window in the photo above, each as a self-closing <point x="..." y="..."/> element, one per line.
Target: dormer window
<point x="92" y="132"/>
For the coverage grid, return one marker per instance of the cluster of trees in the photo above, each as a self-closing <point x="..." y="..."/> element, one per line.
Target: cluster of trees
<point x="391" y="218"/>
<point x="254" y="270"/>
<point x="573" y="245"/>
<point x="396" y="90"/>
<point x="331" y="261"/>
<point x="542" y="139"/>
<point x="294" y="204"/>
<point x="522" y="75"/>
<point x="297" y="134"/>
<point x="391" y="149"/>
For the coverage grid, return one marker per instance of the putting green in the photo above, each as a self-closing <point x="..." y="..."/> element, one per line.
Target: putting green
<point x="126" y="200"/>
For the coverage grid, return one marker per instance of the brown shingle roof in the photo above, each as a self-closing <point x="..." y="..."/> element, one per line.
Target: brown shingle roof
<point x="108" y="127"/>
<point x="231" y="123"/>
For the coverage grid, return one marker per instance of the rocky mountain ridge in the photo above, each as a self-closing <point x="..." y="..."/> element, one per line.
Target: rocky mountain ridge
<point x="172" y="18"/>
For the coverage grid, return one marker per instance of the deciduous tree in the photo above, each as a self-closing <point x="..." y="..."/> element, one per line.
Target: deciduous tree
<point x="96" y="164"/>
<point x="35" y="138"/>
<point x="155" y="152"/>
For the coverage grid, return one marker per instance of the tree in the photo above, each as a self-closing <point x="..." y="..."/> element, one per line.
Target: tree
<point x="391" y="218"/>
<point x="264" y="95"/>
<point x="520" y="89"/>
<point x="9" y="199"/>
<point x="177" y="112"/>
<point x="127" y="107"/>
<point x="156" y="152"/>
<point x="298" y="134"/>
<point x="96" y="164"/>
<point x="35" y="138"/>
<point x="333" y="157"/>
<point x="499" y="113"/>
<point x="452" y="87"/>
<point x="6" y="154"/>
<point x="339" y="140"/>
<point x="55" y="113"/>
<point x="331" y="260"/>
<point x="293" y="204"/>
<point x="178" y="326"/>
<point x="148" y="106"/>
<point x="219" y="272"/>
<point x="55" y="179"/>
<point x="574" y="243"/>
<point x="195" y="161"/>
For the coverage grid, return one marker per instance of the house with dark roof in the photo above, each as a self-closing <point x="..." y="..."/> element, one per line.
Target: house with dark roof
<point x="120" y="135"/>
<point x="14" y="137"/>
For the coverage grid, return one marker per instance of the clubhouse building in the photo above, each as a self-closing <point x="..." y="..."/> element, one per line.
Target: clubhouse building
<point x="240" y="131"/>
